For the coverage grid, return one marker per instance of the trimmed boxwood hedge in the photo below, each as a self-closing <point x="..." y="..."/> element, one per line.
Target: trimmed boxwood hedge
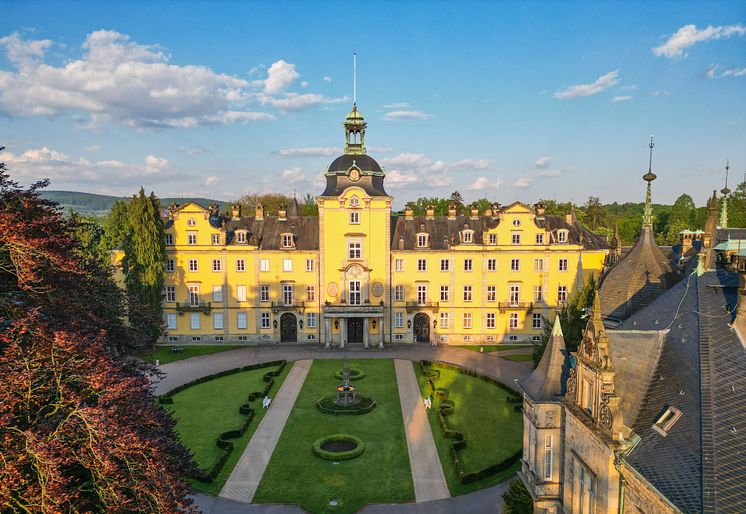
<point x="222" y="442"/>
<point x="355" y="374"/>
<point x="337" y="456"/>
<point x="458" y="440"/>
<point x="327" y="405"/>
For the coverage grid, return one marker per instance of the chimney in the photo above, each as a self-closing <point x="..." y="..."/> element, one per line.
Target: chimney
<point x="451" y="212"/>
<point x="401" y="242"/>
<point x="570" y="218"/>
<point x="430" y="212"/>
<point x="282" y="214"/>
<point x="740" y="322"/>
<point x="474" y="213"/>
<point x="236" y="211"/>
<point x="540" y="209"/>
<point x="408" y="213"/>
<point x="686" y="242"/>
<point x="259" y="212"/>
<point x="172" y="210"/>
<point x="488" y="212"/>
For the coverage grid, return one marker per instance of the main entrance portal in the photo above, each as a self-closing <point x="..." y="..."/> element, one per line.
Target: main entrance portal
<point x="354" y="330"/>
<point x="288" y="328"/>
<point x="422" y="328"/>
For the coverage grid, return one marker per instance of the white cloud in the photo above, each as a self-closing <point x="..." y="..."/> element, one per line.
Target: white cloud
<point x="406" y="115"/>
<point x="543" y="162"/>
<point x="93" y="148"/>
<point x="397" y="178"/>
<point x="658" y="93"/>
<point x="523" y="182"/>
<point x="305" y="83"/>
<point x="279" y="76"/>
<point x="310" y="151"/>
<point x="193" y="150"/>
<point x="557" y="172"/>
<point x="211" y="180"/>
<point x="601" y="83"/>
<point x="472" y="164"/>
<point x="728" y="72"/>
<point x="689" y="35"/>
<point x="291" y="102"/>
<point x="24" y="54"/>
<point x="292" y="175"/>
<point x="482" y="183"/>
<point x="622" y="98"/>
<point x="327" y="79"/>
<point x="397" y="105"/>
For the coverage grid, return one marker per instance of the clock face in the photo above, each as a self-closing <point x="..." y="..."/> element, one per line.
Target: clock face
<point x="354" y="175"/>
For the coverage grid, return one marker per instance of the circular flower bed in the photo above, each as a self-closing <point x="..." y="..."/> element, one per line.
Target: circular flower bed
<point x="355" y="374"/>
<point x="327" y="405"/>
<point x="338" y="447"/>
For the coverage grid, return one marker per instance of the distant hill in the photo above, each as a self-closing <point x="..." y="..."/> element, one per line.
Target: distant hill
<point x="90" y="204"/>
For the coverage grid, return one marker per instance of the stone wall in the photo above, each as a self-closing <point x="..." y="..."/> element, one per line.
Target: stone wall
<point x="640" y="497"/>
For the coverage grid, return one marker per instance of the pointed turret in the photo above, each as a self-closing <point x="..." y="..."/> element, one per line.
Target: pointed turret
<point x="725" y="191"/>
<point x="547" y="381"/>
<point x="709" y="236"/>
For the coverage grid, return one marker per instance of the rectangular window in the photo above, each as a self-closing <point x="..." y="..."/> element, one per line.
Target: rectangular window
<point x="309" y="264"/>
<point x="491" y="264"/>
<point x="287" y="294"/>
<point x="562" y="236"/>
<point x="217" y="265"/>
<point x="468" y="234"/>
<point x="263" y="293"/>
<point x="491" y="293"/>
<point x="217" y="320"/>
<point x="445" y="265"/>
<point x="171" y="321"/>
<point x="192" y="238"/>
<point x="241" y="237"/>
<point x="265" y="319"/>
<point x="193" y="266"/>
<point x="444" y="294"/>
<point x="240" y="293"/>
<point x="587" y="397"/>
<point x="421" y="265"/>
<point x="515" y="264"/>
<point x="194" y="296"/>
<point x="563" y="264"/>
<point x="242" y="321"/>
<point x="515" y="294"/>
<point x="354" y="218"/>
<point x="422" y="240"/>
<point x="562" y="293"/>
<point x="356" y="292"/>
<point x="515" y="238"/>
<point x="217" y="293"/>
<point x="421" y="294"/>
<point x="399" y="265"/>
<point x="538" y="264"/>
<point x="240" y="265"/>
<point x="287" y="264"/>
<point x="467" y="293"/>
<point x="468" y="264"/>
<point x="263" y="264"/>
<point x="287" y="240"/>
<point x="194" y="320"/>
<point x="443" y="320"/>
<point x="399" y="293"/>
<point x="216" y="239"/>
<point x="171" y="294"/>
<point x="169" y="239"/>
<point x="399" y="320"/>
<point x="170" y="265"/>
<point x="467" y="320"/>
<point x="311" y="320"/>
<point x="536" y="321"/>
<point x="548" y="463"/>
<point x="493" y="239"/>
<point x="311" y="293"/>
<point x="539" y="239"/>
<point x="490" y="320"/>
<point x="513" y="320"/>
<point x="354" y="250"/>
<point x="538" y="294"/>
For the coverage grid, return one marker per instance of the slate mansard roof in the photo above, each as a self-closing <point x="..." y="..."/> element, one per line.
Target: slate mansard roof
<point x="692" y="361"/>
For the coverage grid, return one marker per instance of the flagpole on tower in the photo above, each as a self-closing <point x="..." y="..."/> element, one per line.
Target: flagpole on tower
<point x="354" y="79"/>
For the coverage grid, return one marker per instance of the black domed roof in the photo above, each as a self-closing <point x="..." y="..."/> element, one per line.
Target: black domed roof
<point x="344" y="162"/>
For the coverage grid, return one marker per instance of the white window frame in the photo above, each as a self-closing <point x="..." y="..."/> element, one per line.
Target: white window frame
<point x="421" y="264"/>
<point x="421" y="294"/>
<point x="240" y="265"/>
<point x="287" y="240"/>
<point x="171" y="321"/>
<point x="468" y="264"/>
<point x="513" y="320"/>
<point x="266" y="322"/>
<point x="310" y="293"/>
<point x="562" y="235"/>
<point x="398" y="293"/>
<point x="170" y="294"/>
<point x="536" y="321"/>
<point x="467" y="320"/>
<point x="354" y="250"/>
<point x="288" y="294"/>
<point x="194" y="295"/>
<point x="311" y="320"/>
<point x="193" y="265"/>
<point x="264" y="295"/>
<point x="195" y="322"/>
<point x="490" y="320"/>
<point x="491" y="293"/>
<point x="514" y="294"/>
<point x="355" y="218"/>
<point x="399" y="320"/>
<point x="168" y="239"/>
<point x="467" y="236"/>
<point x="561" y="294"/>
<point x="241" y="293"/>
<point x="492" y="264"/>
<point x="217" y="321"/>
<point x="242" y="320"/>
<point x="241" y="237"/>
<point x="538" y="293"/>
<point x="355" y="292"/>
<point x="191" y="238"/>
<point x="445" y="265"/>
<point x="444" y="320"/>
<point x="216" y="239"/>
<point x="562" y="265"/>
<point x="422" y="240"/>
<point x="310" y="266"/>
<point x="263" y="264"/>
<point x="217" y="265"/>
<point x="399" y="264"/>
<point x="492" y="239"/>
<point x="170" y="265"/>
<point x="515" y="264"/>
<point x="539" y="264"/>
<point x="445" y="294"/>
<point x="539" y="239"/>
<point x="217" y="293"/>
<point x="468" y="293"/>
<point x="515" y="238"/>
<point x="287" y="265"/>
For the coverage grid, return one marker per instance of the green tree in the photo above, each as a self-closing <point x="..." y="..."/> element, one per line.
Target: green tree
<point x="517" y="499"/>
<point x="457" y="200"/>
<point x="144" y="262"/>
<point x="737" y="206"/>
<point x="116" y="226"/>
<point x="595" y="215"/>
<point x="90" y="233"/>
<point x="309" y="207"/>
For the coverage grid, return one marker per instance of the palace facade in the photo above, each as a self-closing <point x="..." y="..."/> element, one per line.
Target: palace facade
<point x="360" y="273"/>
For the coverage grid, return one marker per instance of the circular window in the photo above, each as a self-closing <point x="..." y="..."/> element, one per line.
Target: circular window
<point x="191" y="222"/>
<point x="516" y="222"/>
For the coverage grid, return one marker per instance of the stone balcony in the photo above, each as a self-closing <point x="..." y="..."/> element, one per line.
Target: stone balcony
<point x="539" y="490"/>
<point x="204" y="307"/>
<point x="515" y="306"/>
<point x="418" y="306"/>
<point x="294" y="306"/>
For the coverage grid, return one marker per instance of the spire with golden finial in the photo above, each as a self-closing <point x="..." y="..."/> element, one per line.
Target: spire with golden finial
<point x="647" y="216"/>
<point x="355" y="123"/>
<point x="725" y="191"/>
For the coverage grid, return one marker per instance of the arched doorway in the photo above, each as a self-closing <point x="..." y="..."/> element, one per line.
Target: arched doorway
<point x="288" y="328"/>
<point x="422" y="328"/>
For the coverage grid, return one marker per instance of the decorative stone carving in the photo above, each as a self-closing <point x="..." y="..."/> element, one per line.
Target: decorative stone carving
<point x="377" y="289"/>
<point x="354" y="270"/>
<point x="332" y="289"/>
<point x="605" y="418"/>
<point x="571" y="385"/>
<point x="550" y="419"/>
<point x="530" y="411"/>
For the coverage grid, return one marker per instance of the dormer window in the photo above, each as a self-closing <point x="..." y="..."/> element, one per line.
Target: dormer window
<point x="191" y="222"/>
<point x="667" y="421"/>
<point x="423" y="240"/>
<point x="467" y="236"/>
<point x="287" y="240"/>
<point x="241" y="237"/>
<point x="562" y="235"/>
<point x="516" y="222"/>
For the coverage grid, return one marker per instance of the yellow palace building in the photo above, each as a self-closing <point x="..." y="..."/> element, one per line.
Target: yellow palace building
<point x="360" y="273"/>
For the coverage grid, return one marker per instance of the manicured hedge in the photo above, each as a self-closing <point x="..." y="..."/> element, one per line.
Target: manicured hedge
<point x="337" y="456"/>
<point x="327" y="405"/>
<point x="355" y="374"/>
<point x="246" y="409"/>
<point x="458" y="440"/>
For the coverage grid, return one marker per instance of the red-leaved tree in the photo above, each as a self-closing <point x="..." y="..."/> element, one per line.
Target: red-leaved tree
<point x="79" y="428"/>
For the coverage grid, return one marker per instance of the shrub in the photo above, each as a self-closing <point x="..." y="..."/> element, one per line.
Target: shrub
<point x="337" y="456"/>
<point x="517" y="499"/>
<point x="355" y="374"/>
<point x="327" y="405"/>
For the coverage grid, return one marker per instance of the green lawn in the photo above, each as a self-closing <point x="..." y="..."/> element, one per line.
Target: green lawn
<point x="380" y="474"/>
<point x="205" y="410"/>
<point x="164" y="355"/>
<point x="494" y="347"/>
<point x="492" y="428"/>
<point x="518" y="358"/>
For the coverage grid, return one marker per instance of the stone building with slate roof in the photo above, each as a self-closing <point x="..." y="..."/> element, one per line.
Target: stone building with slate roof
<point x="652" y="417"/>
<point x="360" y="273"/>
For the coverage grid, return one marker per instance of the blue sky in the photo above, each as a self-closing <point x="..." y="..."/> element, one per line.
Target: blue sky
<point x="508" y="100"/>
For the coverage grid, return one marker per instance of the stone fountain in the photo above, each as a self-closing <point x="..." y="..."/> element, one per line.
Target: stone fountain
<point x="346" y="393"/>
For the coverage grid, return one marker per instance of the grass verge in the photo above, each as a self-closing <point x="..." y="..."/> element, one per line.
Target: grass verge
<point x="519" y="358"/>
<point x="164" y="355"/>
<point x="494" y="347"/>
<point x="380" y="474"/>
<point x="492" y="428"/>
<point x="205" y="410"/>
